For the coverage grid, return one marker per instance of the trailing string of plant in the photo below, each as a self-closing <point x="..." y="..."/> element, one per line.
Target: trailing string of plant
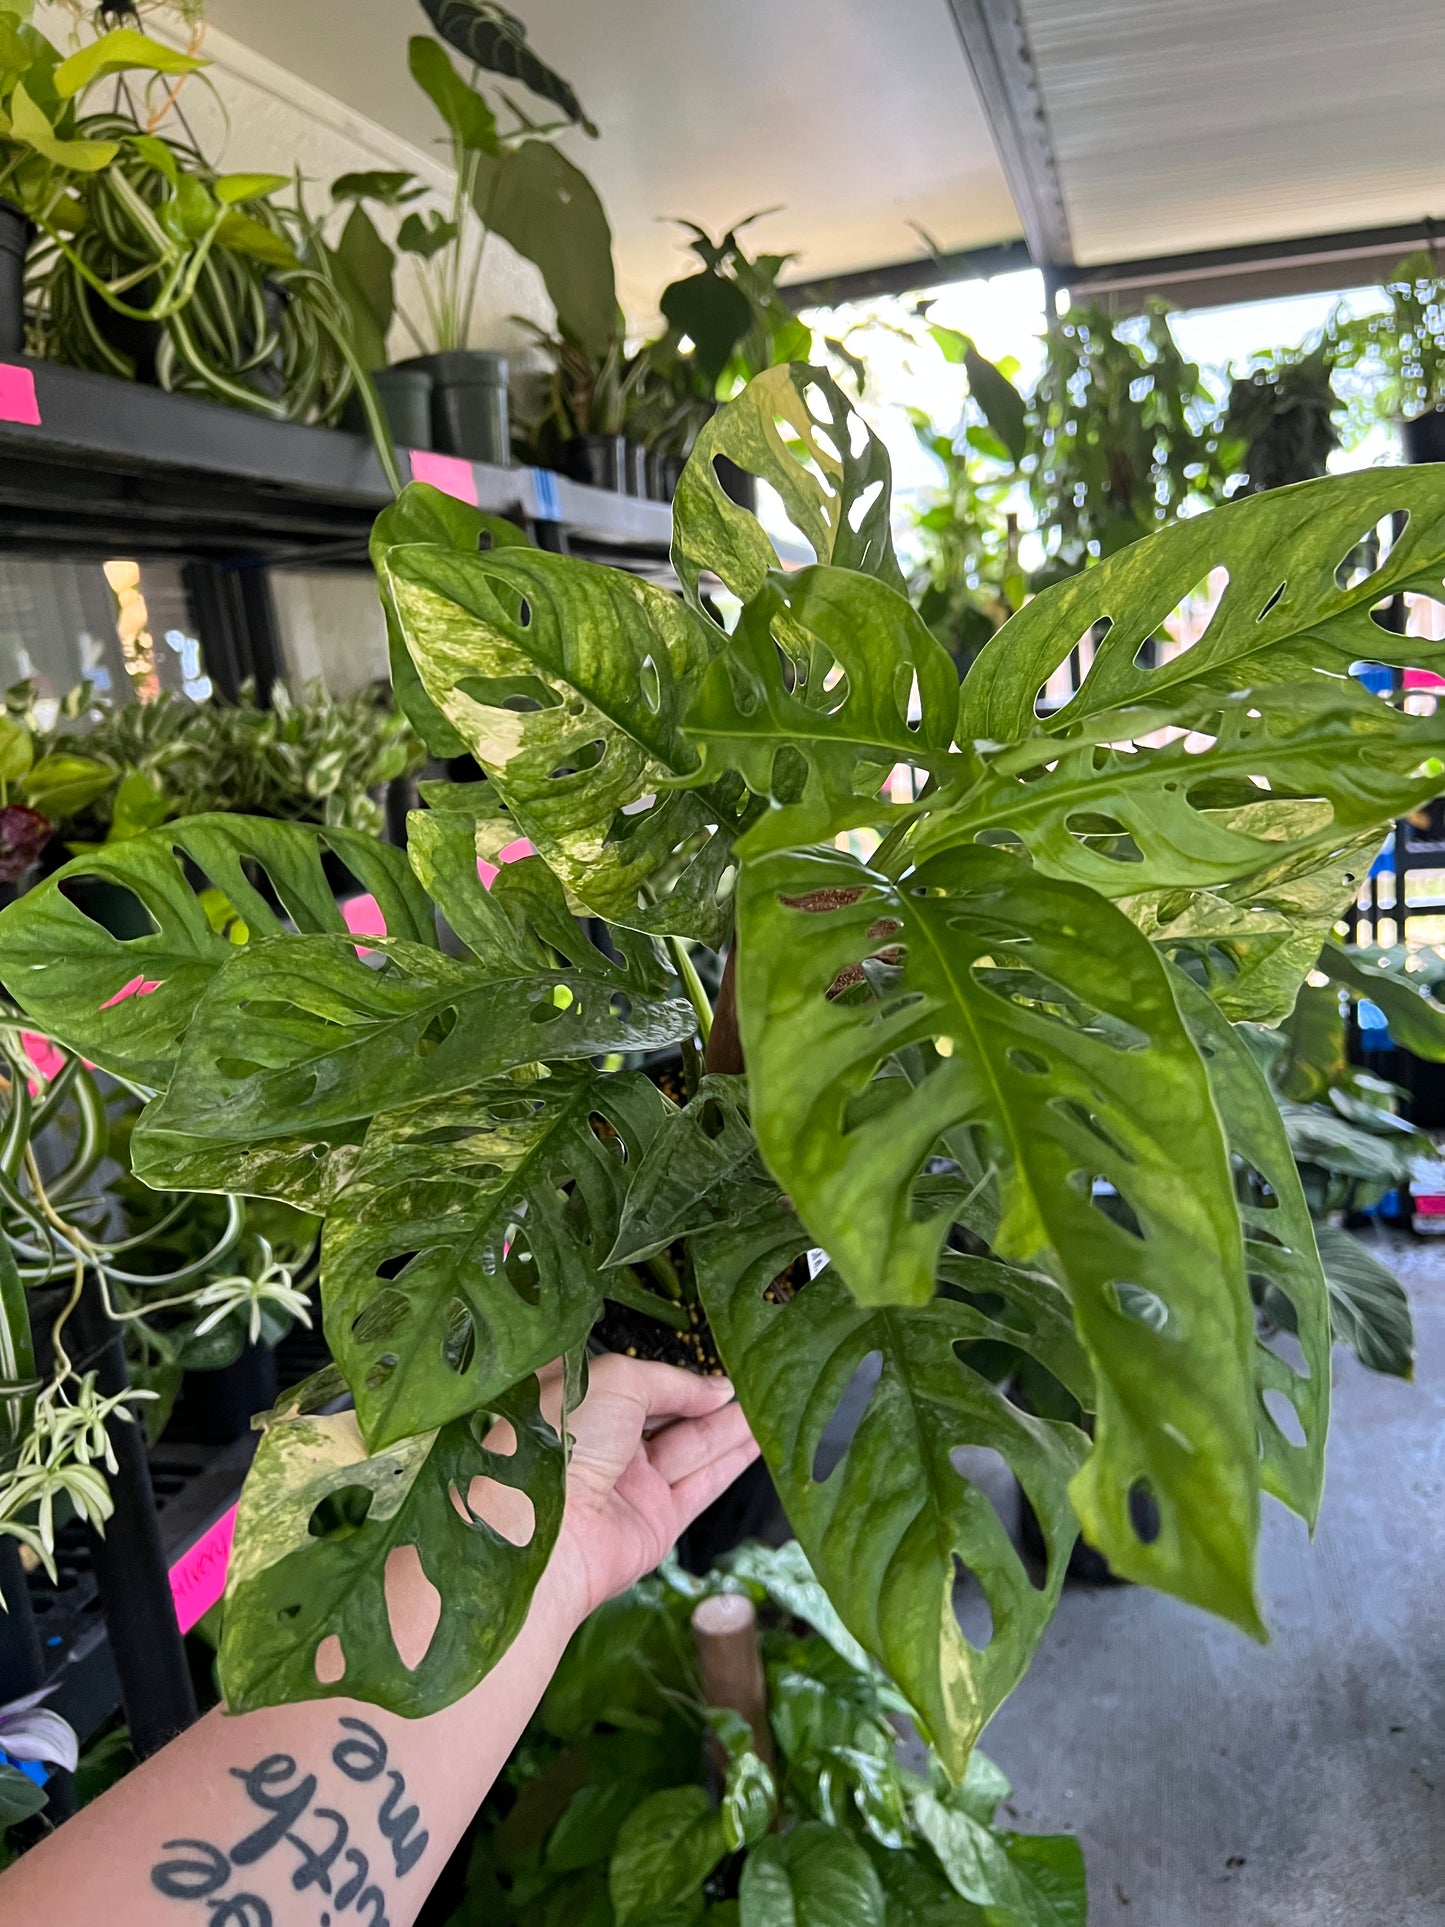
<point x="188" y="1280"/>
<point x="972" y="1105"/>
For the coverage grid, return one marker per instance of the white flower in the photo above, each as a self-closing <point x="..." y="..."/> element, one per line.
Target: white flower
<point x="27" y="1732"/>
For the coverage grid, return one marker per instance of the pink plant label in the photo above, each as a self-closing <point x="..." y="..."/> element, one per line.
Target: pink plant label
<point x="513" y="853"/>
<point x="137" y="987"/>
<point x="363" y="919"/>
<point x="198" y="1578"/>
<point x="449" y="473"/>
<point x="18" y="401"/>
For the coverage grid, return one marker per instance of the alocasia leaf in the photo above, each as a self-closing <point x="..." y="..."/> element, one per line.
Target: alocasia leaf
<point x="1043" y="1006"/>
<point x="422" y="513"/>
<point x="1369" y="1311"/>
<point x="886" y="1530"/>
<point x="125" y="1002"/>
<point x="466" y="1250"/>
<point x="836" y="497"/>
<point x="491" y="38"/>
<point x="544" y="206"/>
<point x="815" y="1876"/>
<point x="1279" y="1252"/>
<point x="319" y="1520"/>
<point x="308" y="1027"/>
<point x="567" y="681"/>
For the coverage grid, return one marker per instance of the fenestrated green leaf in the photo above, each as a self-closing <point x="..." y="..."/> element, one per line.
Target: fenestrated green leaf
<point x="666" y="1849"/>
<point x="1257" y="940"/>
<point x="125" y="1002"/>
<point x="1043" y="1006"/>
<point x="1283" y="618"/>
<point x="815" y="1876"/>
<point x="836" y="499"/>
<point x="307" y="1170"/>
<point x="702" y="1169"/>
<point x="1396" y="983"/>
<point x="546" y="208"/>
<point x="318" y="1522"/>
<point x="827" y="729"/>
<point x="492" y="38"/>
<point x="309" y="1028"/>
<point x="1279" y="1252"/>
<point x="884" y="1530"/>
<point x="1129" y="816"/>
<point x="422" y="513"/>
<point x="442" y="842"/>
<point x="1368" y="1307"/>
<point x="466" y="1250"/>
<point x="573" y="707"/>
<point x="1021" y="1880"/>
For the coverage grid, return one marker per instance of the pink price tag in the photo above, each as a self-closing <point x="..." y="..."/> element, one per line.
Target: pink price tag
<point x="450" y="473"/>
<point x="18" y="402"/>
<point x="198" y="1578"/>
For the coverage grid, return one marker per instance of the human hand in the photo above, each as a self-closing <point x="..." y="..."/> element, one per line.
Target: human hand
<point x="652" y="1445"/>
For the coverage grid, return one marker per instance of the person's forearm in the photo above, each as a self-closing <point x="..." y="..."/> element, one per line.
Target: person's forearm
<point x="314" y="1815"/>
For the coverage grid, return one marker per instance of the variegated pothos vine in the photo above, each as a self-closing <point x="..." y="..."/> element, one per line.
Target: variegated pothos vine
<point x="985" y="1038"/>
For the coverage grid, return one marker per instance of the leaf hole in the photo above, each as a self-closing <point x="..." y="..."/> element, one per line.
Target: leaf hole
<point x="862" y="503"/>
<point x="1067" y="676"/>
<point x="1284" y="1418"/>
<point x="330" y="1661"/>
<point x="459" y="1338"/>
<point x="340" y="1514"/>
<point x="581" y="760"/>
<point x="1144" y="1514"/>
<point x="1028" y="1063"/>
<point x="711" y="1119"/>
<point x="440" y="1026"/>
<point x="504" y="1508"/>
<point x="1272" y="602"/>
<point x="1137" y="1302"/>
<point x="413" y="1605"/>
<point x="111" y="906"/>
<point x="836" y="1435"/>
<point x="971" y="1610"/>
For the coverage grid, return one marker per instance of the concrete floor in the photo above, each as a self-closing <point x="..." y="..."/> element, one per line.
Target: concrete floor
<point x="1214" y="1783"/>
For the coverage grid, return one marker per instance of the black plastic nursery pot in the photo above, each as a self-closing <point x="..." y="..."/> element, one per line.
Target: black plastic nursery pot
<point x="1424" y="437"/>
<point x="14" y="234"/>
<point x="216" y="1407"/>
<point x="598" y="460"/>
<point x="635" y="478"/>
<point x="405" y="395"/>
<point x="468" y="403"/>
<point x="664" y="472"/>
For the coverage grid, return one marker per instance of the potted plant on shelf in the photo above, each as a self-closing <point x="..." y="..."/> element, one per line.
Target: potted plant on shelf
<point x="513" y="183"/>
<point x="947" y="1027"/>
<point x="1405" y="346"/>
<point x="1279" y="421"/>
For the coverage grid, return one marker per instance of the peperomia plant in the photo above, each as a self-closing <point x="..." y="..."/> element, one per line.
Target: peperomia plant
<point x="974" y="1044"/>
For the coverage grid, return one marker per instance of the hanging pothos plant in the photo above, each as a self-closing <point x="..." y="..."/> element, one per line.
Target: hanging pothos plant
<point x="975" y="1047"/>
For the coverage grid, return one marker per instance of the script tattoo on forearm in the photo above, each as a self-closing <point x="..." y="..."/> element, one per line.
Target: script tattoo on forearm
<point x="276" y="1786"/>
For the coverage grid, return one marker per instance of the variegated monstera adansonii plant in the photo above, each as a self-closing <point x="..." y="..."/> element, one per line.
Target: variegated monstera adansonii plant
<point x="976" y="1047"/>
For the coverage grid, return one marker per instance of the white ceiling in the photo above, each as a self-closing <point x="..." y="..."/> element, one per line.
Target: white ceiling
<point x="1184" y="124"/>
<point x="858" y="117"/>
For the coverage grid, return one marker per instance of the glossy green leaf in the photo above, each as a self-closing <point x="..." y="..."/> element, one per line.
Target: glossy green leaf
<point x="749" y="1801"/>
<point x="883" y="1532"/>
<point x="466" y="1250"/>
<point x="701" y="1170"/>
<point x="319" y="1520"/>
<point x="1279" y="1253"/>
<point x="309" y="1027"/>
<point x="472" y="123"/>
<point x="307" y="1169"/>
<point x="916" y="1893"/>
<point x="1001" y="403"/>
<point x="20" y="1797"/>
<point x="1020" y="1880"/>
<point x="829" y="677"/>
<point x="425" y="514"/>
<point x="17" y="750"/>
<point x="61" y="785"/>
<point x="1042" y="1005"/>
<point x="713" y="313"/>
<point x="836" y="499"/>
<point x="575" y="715"/>
<point x="1393" y="982"/>
<point x="365" y="270"/>
<point x="1368" y="1307"/>
<point x="666" y="1849"/>
<point x="815" y="1876"/>
<point x="789" y="1581"/>
<point x="122" y="50"/>
<point x="545" y="208"/>
<point x="391" y="189"/>
<point x="125" y="1003"/>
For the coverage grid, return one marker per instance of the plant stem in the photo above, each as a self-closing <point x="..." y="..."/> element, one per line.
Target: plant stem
<point x="692" y="983"/>
<point x="662" y="1269"/>
<point x="623" y="1289"/>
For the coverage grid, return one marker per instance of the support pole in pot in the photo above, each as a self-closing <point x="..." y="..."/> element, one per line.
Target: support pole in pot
<point x="725" y="1629"/>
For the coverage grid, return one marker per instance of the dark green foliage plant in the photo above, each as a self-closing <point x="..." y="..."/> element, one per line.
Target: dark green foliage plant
<point x="974" y="1052"/>
<point x="1403" y="345"/>
<point x="630" y="1799"/>
<point x="1279" y="421"/>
